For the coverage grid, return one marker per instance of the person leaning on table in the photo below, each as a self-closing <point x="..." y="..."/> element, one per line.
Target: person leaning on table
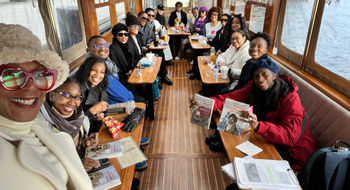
<point x="32" y="156"/>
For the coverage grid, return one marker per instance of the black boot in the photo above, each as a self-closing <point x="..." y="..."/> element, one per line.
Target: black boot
<point x="166" y="80"/>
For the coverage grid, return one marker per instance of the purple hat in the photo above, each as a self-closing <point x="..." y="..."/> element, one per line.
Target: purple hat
<point x="203" y="8"/>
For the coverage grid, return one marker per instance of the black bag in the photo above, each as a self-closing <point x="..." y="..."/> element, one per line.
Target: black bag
<point x="327" y="169"/>
<point x="133" y="119"/>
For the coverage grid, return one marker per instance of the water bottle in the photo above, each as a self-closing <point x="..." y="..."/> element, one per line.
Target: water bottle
<point x="215" y="72"/>
<point x="188" y="27"/>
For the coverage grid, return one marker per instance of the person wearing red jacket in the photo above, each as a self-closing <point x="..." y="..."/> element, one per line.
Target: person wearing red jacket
<point x="278" y="114"/>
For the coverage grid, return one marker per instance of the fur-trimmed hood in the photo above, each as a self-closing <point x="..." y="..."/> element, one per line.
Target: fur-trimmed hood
<point x="19" y="45"/>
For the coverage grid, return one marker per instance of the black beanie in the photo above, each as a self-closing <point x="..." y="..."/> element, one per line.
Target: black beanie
<point x="119" y="27"/>
<point x="131" y="20"/>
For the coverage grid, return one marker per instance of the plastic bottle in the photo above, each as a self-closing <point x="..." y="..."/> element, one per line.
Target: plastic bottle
<point x="212" y="55"/>
<point x="215" y="72"/>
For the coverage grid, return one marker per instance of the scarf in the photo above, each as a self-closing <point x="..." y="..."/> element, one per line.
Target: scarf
<point x="69" y="125"/>
<point x="266" y="101"/>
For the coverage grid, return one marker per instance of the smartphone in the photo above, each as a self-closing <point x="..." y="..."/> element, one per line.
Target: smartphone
<point x="103" y="164"/>
<point x="140" y="67"/>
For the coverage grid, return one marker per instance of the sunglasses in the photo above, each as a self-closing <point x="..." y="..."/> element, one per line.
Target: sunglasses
<point x="14" y="78"/>
<point x="224" y="20"/>
<point x="120" y="34"/>
<point x="101" y="46"/>
<point x="151" y="15"/>
<point x="143" y="18"/>
<point x="70" y="97"/>
<point x="179" y="6"/>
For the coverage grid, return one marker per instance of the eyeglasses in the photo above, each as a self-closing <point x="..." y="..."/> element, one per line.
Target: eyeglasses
<point x="235" y="38"/>
<point x="178" y="6"/>
<point x="120" y="34"/>
<point x="70" y="97"/>
<point x="224" y="20"/>
<point x="14" y="78"/>
<point x="143" y="18"/>
<point x="149" y="15"/>
<point x="101" y="46"/>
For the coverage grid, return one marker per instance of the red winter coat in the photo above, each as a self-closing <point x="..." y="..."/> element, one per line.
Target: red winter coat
<point x="283" y="126"/>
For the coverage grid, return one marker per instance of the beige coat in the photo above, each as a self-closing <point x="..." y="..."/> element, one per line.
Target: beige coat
<point x="21" y="167"/>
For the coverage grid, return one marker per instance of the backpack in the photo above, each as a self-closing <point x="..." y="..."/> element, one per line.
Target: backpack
<point x="327" y="169"/>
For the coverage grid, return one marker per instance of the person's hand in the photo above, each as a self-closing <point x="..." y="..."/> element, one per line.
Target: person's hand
<point x="144" y="48"/>
<point x="92" y="140"/>
<point x="193" y="103"/>
<point x="100" y="116"/>
<point x="99" y="107"/>
<point x="218" y="53"/>
<point x="251" y="118"/>
<point x="197" y="29"/>
<point x="89" y="163"/>
<point x="129" y="73"/>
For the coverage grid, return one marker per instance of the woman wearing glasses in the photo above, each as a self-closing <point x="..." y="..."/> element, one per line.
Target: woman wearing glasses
<point x="200" y="21"/>
<point x="32" y="157"/>
<point x="62" y="112"/>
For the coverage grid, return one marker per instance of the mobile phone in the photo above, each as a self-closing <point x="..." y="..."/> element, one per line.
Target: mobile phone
<point x="140" y="67"/>
<point x="103" y="164"/>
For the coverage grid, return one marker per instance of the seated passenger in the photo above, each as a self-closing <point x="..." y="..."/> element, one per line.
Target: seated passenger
<point x="63" y="113"/>
<point x="177" y="16"/>
<point x="221" y="35"/>
<point x="117" y="93"/>
<point x="160" y="14"/>
<point x="213" y="25"/>
<point x="199" y="23"/>
<point x="278" y="114"/>
<point x="193" y="16"/>
<point x="93" y="85"/>
<point x="31" y="156"/>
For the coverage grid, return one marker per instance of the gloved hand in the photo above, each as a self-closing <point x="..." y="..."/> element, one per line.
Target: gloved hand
<point x="133" y="119"/>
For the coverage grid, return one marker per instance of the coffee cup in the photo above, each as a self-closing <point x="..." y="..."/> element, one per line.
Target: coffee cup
<point x="224" y="72"/>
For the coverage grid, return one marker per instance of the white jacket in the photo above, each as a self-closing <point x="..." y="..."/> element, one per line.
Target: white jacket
<point x="234" y="59"/>
<point x="23" y="168"/>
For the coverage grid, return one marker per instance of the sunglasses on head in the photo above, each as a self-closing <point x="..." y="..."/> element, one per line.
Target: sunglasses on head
<point x="120" y="34"/>
<point x="149" y="15"/>
<point x="224" y="20"/>
<point x="14" y="78"/>
<point x="101" y="46"/>
<point x="70" y="97"/>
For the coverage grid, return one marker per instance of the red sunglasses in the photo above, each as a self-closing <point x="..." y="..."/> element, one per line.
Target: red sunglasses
<point x="15" y="78"/>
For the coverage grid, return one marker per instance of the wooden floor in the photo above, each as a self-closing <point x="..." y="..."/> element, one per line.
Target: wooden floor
<point x="178" y="157"/>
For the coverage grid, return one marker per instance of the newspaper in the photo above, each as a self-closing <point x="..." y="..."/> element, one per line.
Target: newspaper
<point x="264" y="174"/>
<point x="131" y="153"/>
<point x="201" y="113"/>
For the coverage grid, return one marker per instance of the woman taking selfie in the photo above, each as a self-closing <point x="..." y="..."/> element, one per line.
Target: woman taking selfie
<point x="32" y="157"/>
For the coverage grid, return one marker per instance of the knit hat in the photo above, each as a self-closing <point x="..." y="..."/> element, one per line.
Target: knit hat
<point x="119" y="27"/>
<point x="264" y="63"/>
<point x="131" y="20"/>
<point x="203" y="8"/>
<point x="160" y="7"/>
<point x="20" y="45"/>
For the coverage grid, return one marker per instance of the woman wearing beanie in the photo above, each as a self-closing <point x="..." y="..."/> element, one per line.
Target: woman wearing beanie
<point x="278" y="115"/>
<point x="30" y="157"/>
<point x="200" y="21"/>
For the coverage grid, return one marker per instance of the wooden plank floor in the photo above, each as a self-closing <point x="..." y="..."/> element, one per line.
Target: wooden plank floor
<point x="178" y="157"/>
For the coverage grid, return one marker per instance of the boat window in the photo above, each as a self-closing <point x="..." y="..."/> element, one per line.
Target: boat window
<point x="257" y="17"/>
<point x="296" y="24"/>
<point x="120" y="7"/>
<point x="103" y="19"/>
<point x="67" y="22"/>
<point x="171" y="3"/>
<point x="26" y="14"/>
<point x="332" y="50"/>
<point x="239" y="7"/>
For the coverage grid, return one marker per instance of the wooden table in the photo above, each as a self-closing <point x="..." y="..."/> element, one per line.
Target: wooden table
<point x="126" y="174"/>
<point x="196" y="45"/>
<point x="159" y="47"/>
<point x="231" y="141"/>
<point x="173" y="33"/>
<point x="148" y="76"/>
<point x="207" y="73"/>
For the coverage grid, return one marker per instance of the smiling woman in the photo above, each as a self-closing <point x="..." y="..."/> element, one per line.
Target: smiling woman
<point x="27" y="71"/>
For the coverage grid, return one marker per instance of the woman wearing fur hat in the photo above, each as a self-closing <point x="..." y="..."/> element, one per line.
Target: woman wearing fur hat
<point x="32" y="157"/>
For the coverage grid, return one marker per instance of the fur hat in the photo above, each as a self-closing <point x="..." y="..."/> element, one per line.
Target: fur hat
<point x="131" y="20"/>
<point x="264" y="63"/>
<point x="20" y="45"/>
<point x="119" y="27"/>
<point x="160" y="7"/>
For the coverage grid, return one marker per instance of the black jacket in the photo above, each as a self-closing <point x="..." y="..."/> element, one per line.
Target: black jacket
<point x="124" y="61"/>
<point x="173" y="17"/>
<point x="220" y="41"/>
<point x="161" y="19"/>
<point x="134" y="48"/>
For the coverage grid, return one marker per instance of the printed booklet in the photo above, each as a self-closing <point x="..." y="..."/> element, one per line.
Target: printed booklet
<point x="105" y="178"/>
<point x="201" y="113"/>
<point x="107" y="150"/>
